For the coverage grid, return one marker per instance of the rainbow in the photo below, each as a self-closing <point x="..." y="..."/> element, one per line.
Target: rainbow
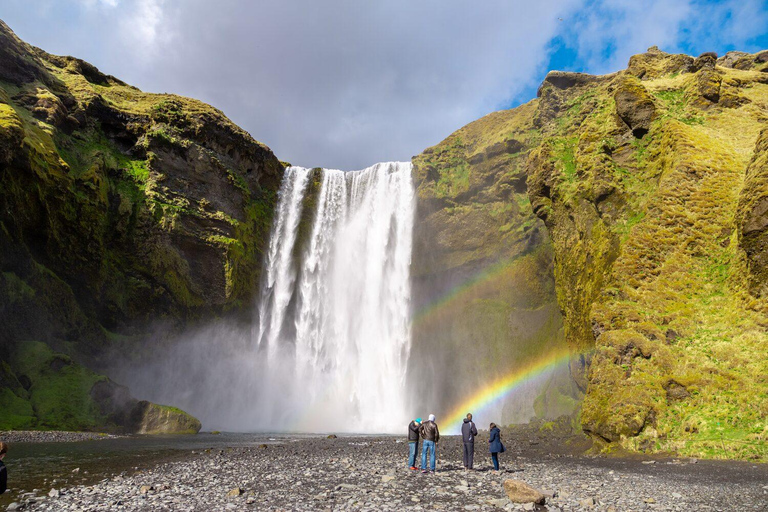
<point x="481" y="400"/>
<point x="474" y="285"/>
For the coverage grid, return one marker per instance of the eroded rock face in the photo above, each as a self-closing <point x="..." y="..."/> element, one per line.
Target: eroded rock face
<point x="635" y="221"/>
<point x="127" y="206"/>
<point x="122" y="213"/>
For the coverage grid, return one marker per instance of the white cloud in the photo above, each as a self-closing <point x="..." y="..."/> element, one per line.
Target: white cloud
<point x="140" y="24"/>
<point x="345" y="83"/>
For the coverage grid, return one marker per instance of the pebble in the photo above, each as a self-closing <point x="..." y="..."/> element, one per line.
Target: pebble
<point x="368" y="474"/>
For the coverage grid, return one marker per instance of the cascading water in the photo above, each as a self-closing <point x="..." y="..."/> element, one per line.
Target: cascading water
<point x="334" y="308"/>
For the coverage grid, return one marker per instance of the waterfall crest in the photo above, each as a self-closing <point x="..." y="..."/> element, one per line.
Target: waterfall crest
<point x="334" y="307"/>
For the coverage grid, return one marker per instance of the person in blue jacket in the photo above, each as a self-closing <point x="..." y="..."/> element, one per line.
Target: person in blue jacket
<point x="495" y="445"/>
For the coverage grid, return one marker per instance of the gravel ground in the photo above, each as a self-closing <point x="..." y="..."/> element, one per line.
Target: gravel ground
<point x="365" y="473"/>
<point x="49" y="436"/>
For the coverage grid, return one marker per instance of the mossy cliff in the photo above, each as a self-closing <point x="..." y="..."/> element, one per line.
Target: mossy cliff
<point x="651" y="183"/>
<point x="119" y="210"/>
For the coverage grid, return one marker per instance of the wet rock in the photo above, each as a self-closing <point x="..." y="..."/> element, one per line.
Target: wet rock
<point x="520" y="492"/>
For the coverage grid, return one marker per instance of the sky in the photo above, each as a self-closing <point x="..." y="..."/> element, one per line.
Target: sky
<point x="348" y="83"/>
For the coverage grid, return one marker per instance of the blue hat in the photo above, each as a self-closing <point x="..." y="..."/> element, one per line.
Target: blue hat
<point x="418" y="420"/>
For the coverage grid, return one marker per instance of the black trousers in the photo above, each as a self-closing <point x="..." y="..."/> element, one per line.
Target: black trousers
<point x="469" y="454"/>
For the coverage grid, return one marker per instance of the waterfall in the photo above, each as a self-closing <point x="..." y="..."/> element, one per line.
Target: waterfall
<point x="334" y="307"/>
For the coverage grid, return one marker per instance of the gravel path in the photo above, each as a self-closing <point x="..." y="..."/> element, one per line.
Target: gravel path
<point x="367" y="473"/>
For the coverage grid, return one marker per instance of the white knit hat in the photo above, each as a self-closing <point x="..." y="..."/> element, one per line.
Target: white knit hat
<point x="431" y="417"/>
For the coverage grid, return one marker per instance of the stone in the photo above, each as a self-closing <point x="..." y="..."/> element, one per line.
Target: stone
<point x="520" y="492"/>
<point x="634" y="105"/>
<point x="53" y="493"/>
<point x="161" y="419"/>
<point x="332" y="436"/>
<point x="387" y="478"/>
<point x="237" y="491"/>
<point x="14" y="506"/>
<point x="144" y="489"/>
<point x="587" y="502"/>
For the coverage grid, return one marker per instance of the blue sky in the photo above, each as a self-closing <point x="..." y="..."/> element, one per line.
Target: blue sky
<point x="347" y="83"/>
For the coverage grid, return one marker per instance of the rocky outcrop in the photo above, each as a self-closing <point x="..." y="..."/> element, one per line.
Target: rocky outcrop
<point x="44" y="389"/>
<point x="642" y="235"/>
<point x="122" y="213"/>
<point x="137" y="205"/>
<point x="634" y="105"/>
<point x="753" y="218"/>
<point x="161" y="419"/>
<point x="654" y="246"/>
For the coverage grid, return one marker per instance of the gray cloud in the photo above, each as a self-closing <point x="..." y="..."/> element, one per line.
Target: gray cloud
<point x="335" y="83"/>
<point x="346" y="83"/>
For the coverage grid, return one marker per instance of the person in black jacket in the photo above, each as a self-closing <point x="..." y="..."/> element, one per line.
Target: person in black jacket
<point x="3" y="470"/>
<point x="413" y="442"/>
<point x="495" y="445"/>
<point x="468" y="433"/>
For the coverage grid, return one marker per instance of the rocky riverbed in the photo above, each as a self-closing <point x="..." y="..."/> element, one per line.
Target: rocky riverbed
<point x="369" y="473"/>
<point x="51" y="436"/>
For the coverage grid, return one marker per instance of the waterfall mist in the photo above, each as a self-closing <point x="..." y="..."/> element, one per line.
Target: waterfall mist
<point x="329" y="347"/>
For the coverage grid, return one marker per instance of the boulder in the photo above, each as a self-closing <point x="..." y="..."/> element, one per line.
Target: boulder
<point x="705" y="60"/>
<point x="634" y="105"/>
<point x="149" y="418"/>
<point x="520" y="492"/>
<point x="708" y="83"/>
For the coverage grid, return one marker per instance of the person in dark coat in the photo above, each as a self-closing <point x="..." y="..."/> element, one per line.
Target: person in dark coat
<point x="431" y="435"/>
<point x="495" y="445"/>
<point x="413" y="442"/>
<point x="3" y="470"/>
<point x="468" y="434"/>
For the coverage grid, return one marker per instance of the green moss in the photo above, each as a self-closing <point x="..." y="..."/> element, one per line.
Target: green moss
<point x="676" y="106"/>
<point x="60" y="390"/>
<point x="17" y="412"/>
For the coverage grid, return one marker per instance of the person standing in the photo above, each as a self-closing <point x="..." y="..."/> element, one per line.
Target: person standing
<point x="3" y="470"/>
<point x="468" y="433"/>
<point x="431" y="436"/>
<point x="413" y="442"/>
<point x="495" y="445"/>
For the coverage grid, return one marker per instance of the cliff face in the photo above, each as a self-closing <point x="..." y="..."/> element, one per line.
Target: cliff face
<point x="651" y="185"/>
<point x="119" y="208"/>
<point x="482" y="270"/>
